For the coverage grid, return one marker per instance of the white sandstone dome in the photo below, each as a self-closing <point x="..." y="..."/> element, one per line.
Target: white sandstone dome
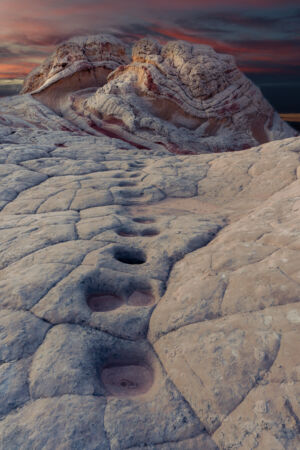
<point x="83" y="53"/>
<point x="182" y="97"/>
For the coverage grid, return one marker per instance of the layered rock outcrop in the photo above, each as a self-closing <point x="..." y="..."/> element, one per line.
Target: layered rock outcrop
<point x="182" y="97"/>
<point x="93" y="57"/>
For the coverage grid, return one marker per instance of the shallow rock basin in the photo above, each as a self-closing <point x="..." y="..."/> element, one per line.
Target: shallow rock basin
<point x="103" y="302"/>
<point x="127" y="381"/>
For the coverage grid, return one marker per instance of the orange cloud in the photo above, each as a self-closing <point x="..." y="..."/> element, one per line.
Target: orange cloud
<point x="257" y="52"/>
<point x="177" y="34"/>
<point x="18" y="70"/>
<point x="42" y="24"/>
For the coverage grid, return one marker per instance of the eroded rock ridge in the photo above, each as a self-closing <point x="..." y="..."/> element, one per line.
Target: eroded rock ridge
<point x="182" y="97"/>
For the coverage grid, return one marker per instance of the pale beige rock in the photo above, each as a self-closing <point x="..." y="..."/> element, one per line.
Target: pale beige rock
<point x="202" y="441"/>
<point x="20" y="334"/>
<point x="131" y="423"/>
<point x="78" y="54"/>
<point x="73" y="359"/>
<point x="55" y="429"/>
<point x="163" y="290"/>
<point x="222" y="362"/>
<point x="14" y="389"/>
<point x="266" y="420"/>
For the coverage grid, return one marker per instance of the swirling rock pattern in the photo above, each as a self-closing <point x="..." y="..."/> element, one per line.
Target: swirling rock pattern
<point x="80" y="54"/>
<point x="147" y="300"/>
<point x="181" y="97"/>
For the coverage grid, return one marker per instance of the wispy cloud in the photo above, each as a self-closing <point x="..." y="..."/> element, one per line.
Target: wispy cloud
<point x="261" y="34"/>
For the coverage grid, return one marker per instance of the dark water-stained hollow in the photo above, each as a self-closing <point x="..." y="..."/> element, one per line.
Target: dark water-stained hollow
<point x="125" y="232"/>
<point x="149" y="232"/>
<point x="144" y="219"/>
<point x="130" y="256"/>
<point x="128" y="232"/>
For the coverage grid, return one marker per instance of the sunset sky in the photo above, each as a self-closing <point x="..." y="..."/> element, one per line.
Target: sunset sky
<point x="262" y="35"/>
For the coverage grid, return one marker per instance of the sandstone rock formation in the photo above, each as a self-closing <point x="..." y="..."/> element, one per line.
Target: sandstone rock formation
<point x="84" y="61"/>
<point x="182" y="97"/>
<point x="147" y="300"/>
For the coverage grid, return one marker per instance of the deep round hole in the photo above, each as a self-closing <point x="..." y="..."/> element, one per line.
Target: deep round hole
<point x="124" y="232"/>
<point x="140" y="298"/>
<point x="127" y="183"/>
<point x="143" y="219"/>
<point x="135" y="165"/>
<point x="130" y="256"/>
<point x="103" y="302"/>
<point x="134" y="175"/>
<point x="128" y="380"/>
<point x="149" y="232"/>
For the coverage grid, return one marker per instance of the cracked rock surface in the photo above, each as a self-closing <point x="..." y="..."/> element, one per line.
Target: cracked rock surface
<point x="147" y="299"/>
